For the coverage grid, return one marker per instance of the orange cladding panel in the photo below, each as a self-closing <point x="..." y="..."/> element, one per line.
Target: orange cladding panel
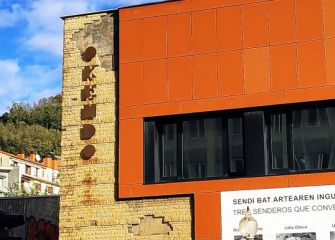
<point x="258" y="99"/>
<point x="208" y="186"/>
<point x="155" y="10"/>
<point x="207" y="104"/>
<point x="131" y="86"/>
<point x="205" y="76"/>
<point x="155" y="87"/>
<point x="179" y="35"/>
<point x="309" y="19"/>
<point x="131" y="151"/>
<point x="284" y="67"/>
<point x="329" y="17"/>
<point x="156" y="189"/>
<point x="124" y="191"/>
<point x="257" y="70"/>
<point x="229" y="21"/>
<point x="310" y="94"/>
<point x="195" y="5"/>
<point x="126" y="14"/>
<point x="311" y="64"/>
<point x="330" y="60"/>
<point x="154" y="38"/>
<point x="180" y="78"/>
<point x="207" y="215"/>
<point x="261" y="182"/>
<point x="131" y="41"/>
<point x="301" y="180"/>
<point x="255" y="25"/>
<point x="204" y="31"/>
<point x="239" y="2"/>
<point x="231" y="73"/>
<point x="282" y="21"/>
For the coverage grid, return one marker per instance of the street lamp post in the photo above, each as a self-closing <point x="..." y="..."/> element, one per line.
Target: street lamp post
<point x="248" y="226"/>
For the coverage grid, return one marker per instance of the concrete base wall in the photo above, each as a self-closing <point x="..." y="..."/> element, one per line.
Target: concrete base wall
<point x="41" y="215"/>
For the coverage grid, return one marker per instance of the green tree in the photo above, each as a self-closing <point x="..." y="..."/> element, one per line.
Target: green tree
<point x="29" y="128"/>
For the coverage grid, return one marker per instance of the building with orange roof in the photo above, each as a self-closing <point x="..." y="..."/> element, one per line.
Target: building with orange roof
<point x="31" y="174"/>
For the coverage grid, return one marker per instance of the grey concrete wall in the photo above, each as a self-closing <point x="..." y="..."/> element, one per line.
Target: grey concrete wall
<point x="41" y="214"/>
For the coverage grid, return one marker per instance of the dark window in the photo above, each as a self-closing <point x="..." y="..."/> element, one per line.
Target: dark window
<point x="306" y="141"/>
<point x="196" y="128"/>
<point x="202" y="155"/>
<point x="169" y="151"/>
<point x="254" y="142"/>
<point x="313" y="140"/>
<point x="277" y="144"/>
<point x="193" y="148"/>
<point x="235" y="145"/>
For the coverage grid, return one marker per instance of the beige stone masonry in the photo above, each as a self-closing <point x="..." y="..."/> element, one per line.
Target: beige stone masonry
<point x="89" y="207"/>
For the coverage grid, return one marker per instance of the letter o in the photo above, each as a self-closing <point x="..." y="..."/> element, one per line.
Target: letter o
<point x="89" y="54"/>
<point x="88" y="152"/>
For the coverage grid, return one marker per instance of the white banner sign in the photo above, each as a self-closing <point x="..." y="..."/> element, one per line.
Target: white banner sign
<point x="301" y="213"/>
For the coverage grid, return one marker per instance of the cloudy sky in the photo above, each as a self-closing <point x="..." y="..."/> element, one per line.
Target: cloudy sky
<point x="31" y="45"/>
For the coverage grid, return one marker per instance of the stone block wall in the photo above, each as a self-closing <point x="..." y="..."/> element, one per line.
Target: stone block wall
<point x="89" y="206"/>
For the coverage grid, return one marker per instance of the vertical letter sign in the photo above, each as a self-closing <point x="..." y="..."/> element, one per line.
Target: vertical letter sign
<point x="89" y="112"/>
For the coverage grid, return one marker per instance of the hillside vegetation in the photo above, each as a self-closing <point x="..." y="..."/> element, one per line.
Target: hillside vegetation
<point x="35" y="127"/>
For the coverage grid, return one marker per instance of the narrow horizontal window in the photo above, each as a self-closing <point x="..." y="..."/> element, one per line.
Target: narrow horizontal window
<point x="254" y="142"/>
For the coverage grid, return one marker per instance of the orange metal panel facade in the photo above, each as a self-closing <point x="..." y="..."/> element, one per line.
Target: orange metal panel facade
<point x="204" y="55"/>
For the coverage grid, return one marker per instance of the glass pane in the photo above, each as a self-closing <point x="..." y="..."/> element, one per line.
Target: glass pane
<point x="197" y="128"/>
<point x="235" y="144"/>
<point x="169" y="139"/>
<point x="313" y="139"/>
<point x="203" y="154"/>
<point x="278" y="144"/>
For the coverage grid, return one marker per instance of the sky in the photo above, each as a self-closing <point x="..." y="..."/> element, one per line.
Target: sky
<point x="31" y="39"/>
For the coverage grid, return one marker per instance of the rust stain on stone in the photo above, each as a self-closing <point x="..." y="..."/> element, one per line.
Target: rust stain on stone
<point x="88" y="180"/>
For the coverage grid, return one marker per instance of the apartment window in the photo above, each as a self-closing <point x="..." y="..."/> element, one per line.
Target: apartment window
<point x="198" y="147"/>
<point x="38" y="187"/>
<point x="34" y="172"/>
<point x="2" y="181"/>
<point x="28" y="170"/>
<point x="50" y="190"/>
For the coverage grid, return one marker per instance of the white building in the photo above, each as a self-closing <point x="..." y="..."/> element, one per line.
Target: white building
<point x="29" y="174"/>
